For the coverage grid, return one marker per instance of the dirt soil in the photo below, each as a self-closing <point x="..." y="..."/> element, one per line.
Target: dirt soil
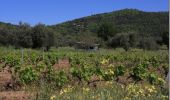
<point x="6" y="81"/>
<point x="63" y="64"/>
<point x="5" y="77"/>
<point x="14" y="95"/>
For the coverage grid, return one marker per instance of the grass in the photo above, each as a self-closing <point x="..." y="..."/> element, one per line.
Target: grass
<point x="106" y="91"/>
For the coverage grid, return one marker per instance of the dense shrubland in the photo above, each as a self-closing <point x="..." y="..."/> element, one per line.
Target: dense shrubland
<point x="128" y="28"/>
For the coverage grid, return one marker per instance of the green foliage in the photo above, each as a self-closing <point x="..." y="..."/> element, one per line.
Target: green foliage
<point x="104" y="65"/>
<point x="152" y="78"/>
<point x="28" y="75"/>
<point x="166" y="68"/>
<point x="161" y="81"/>
<point x="106" y="30"/>
<point x="42" y="37"/>
<point x="58" y="78"/>
<point x="125" y="40"/>
<point x="151" y="31"/>
<point x="148" y="43"/>
<point x="108" y="75"/>
<point x="24" y="35"/>
<point x="75" y="72"/>
<point x="61" y="79"/>
<point x="53" y="58"/>
<point x="34" y="58"/>
<point x="154" y="61"/>
<point x="11" y="60"/>
<point x="124" y="21"/>
<point x="40" y="66"/>
<point x="119" y="70"/>
<point x="83" y="73"/>
<point x="139" y="72"/>
<point x="165" y="38"/>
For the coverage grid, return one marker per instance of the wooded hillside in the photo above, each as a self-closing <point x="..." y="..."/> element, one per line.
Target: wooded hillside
<point x="124" y="28"/>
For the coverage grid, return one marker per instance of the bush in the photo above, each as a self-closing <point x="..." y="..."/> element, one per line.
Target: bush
<point x="119" y="71"/>
<point x="148" y="43"/>
<point x="152" y="78"/>
<point x="28" y="75"/>
<point x="139" y="72"/>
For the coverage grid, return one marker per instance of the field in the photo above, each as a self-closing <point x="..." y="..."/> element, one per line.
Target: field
<point x="69" y="74"/>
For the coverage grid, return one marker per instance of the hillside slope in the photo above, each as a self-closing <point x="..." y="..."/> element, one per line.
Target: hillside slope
<point x="102" y="27"/>
<point x="124" y="20"/>
<point x="123" y="28"/>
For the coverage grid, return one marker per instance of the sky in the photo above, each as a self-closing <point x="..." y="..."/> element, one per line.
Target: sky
<point x="52" y="12"/>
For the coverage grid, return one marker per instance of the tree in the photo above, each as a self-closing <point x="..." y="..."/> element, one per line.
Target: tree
<point x="106" y="30"/>
<point x="148" y="43"/>
<point x="3" y="36"/>
<point x="24" y="35"/>
<point x="42" y="36"/>
<point x="39" y="36"/>
<point x="50" y="39"/>
<point x="165" y="38"/>
<point x="133" y="39"/>
<point x="120" y="40"/>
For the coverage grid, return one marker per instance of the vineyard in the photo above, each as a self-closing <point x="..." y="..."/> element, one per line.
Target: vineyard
<point x="69" y="74"/>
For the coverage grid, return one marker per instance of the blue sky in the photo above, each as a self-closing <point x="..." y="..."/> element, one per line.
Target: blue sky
<point x="56" y="11"/>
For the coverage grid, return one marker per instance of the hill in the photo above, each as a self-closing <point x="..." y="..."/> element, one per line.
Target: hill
<point x="150" y="24"/>
<point x="123" y="28"/>
<point x="125" y="20"/>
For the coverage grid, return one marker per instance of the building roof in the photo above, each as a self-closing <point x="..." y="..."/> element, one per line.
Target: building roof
<point x="88" y="43"/>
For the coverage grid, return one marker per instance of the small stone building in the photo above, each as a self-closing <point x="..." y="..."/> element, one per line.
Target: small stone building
<point x="86" y="46"/>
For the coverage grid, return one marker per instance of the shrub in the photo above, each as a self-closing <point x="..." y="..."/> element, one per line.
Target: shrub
<point x="139" y="72"/>
<point x="120" y="70"/>
<point x="28" y="75"/>
<point x="152" y="78"/>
